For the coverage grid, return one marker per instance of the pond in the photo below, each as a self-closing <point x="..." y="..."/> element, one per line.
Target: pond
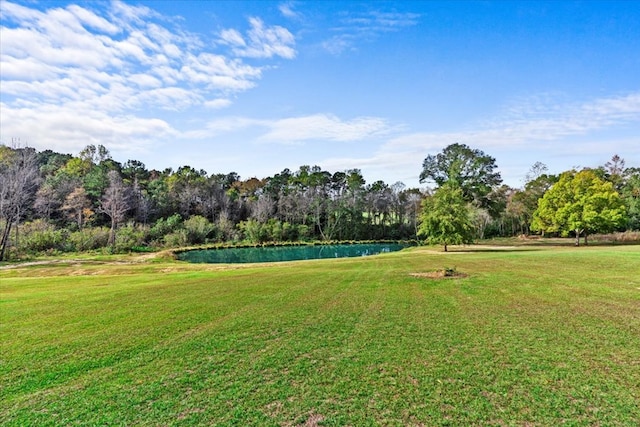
<point x="285" y="253"/>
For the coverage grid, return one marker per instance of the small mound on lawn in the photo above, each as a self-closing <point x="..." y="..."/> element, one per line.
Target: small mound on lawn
<point x="443" y="273"/>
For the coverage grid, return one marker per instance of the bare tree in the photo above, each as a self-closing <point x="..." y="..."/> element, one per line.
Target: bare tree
<point x="115" y="203"/>
<point x="414" y="199"/>
<point x="263" y="208"/>
<point x="75" y="205"/>
<point x="615" y="168"/>
<point x="47" y="201"/>
<point x="140" y="202"/>
<point x="19" y="179"/>
<point x="480" y="219"/>
<point x="537" y="170"/>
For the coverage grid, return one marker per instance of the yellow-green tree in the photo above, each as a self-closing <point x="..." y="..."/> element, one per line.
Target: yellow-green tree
<point x="579" y="202"/>
<point x="445" y="217"/>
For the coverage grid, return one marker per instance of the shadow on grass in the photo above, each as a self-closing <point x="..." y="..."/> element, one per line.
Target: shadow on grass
<point x="500" y="250"/>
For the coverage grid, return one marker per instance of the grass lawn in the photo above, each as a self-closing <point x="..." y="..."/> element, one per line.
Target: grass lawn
<point x="532" y="336"/>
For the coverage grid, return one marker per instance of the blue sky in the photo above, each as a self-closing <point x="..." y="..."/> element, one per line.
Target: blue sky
<point x="256" y="87"/>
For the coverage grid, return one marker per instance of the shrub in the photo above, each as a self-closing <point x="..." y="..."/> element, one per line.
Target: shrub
<point x="198" y="228"/>
<point x="289" y="232"/>
<point x="226" y="229"/>
<point x="176" y="239"/>
<point x="129" y="237"/>
<point x="88" y="239"/>
<point x="40" y="236"/>
<point x="253" y="231"/>
<point x="303" y="232"/>
<point x="165" y="226"/>
<point x="624" y="237"/>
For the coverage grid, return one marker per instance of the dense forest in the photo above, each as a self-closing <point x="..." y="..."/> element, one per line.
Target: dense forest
<point x="51" y="202"/>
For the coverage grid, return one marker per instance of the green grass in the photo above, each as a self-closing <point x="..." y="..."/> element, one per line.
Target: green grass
<point x="532" y="336"/>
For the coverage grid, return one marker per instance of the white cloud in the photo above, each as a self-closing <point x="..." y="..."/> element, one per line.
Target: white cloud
<point x="126" y="15"/>
<point x="552" y="120"/>
<point x="296" y="130"/>
<point x="168" y="98"/>
<point x="377" y="21"/>
<point x="219" y="72"/>
<point x="338" y="44"/>
<point x="232" y="37"/>
<point x="525" y="125"/>
<point x="365" y="26"/>
<point x="113" y="66"/>
<point x="93" y="20"/>
<point x="542" y="126"/>
<point x="145" y="80"/>
<point x="63" y="129"/>
<point x="221" y="126"/>
<point x="261" y="41"/>
<point x="287" y="10"/>
<point x="217" y="103"/>
<point x="324" y="127"/>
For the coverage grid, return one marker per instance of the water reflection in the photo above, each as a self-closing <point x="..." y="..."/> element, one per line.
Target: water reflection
<point x="288" y="253"/>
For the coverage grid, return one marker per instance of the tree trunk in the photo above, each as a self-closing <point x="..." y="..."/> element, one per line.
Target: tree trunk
<point x="16" y="243"/>
<point x="5" y="238"/>
<point x="112" y="235"/>
<point x="586" y="242"/>
<point x="577" y="237"/>
<point x="445" y="247"/>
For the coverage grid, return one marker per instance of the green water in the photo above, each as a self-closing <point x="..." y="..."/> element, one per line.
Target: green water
<point x="286" y="253"/>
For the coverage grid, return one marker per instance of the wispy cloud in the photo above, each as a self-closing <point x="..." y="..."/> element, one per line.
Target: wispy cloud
<point x="288" y="10"/>
<point x="535" y="125"/>
<point x="116" y="64"/>
<point x="298" y="130"/>
<point x="260" y="41"/>
<point x="218" y="103"/>
<point x="376" y="21"/>
<point x="366" y="26"/>
<point x="324" y="127"/>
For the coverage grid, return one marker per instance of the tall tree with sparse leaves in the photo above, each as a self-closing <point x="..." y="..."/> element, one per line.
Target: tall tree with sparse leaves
<point x="19" y="180"/>
<point x="115" y="203"/>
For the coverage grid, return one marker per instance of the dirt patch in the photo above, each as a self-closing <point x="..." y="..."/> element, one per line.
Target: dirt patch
<point x="445" y="273"/>
<point x="188" y="412"/>
<point x="313" y="421"/>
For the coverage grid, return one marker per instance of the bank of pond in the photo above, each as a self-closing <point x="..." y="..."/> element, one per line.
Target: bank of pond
<point x="286" y="253"/>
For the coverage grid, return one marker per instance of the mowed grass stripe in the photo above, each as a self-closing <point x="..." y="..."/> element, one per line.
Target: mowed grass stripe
<point x="537" y="337"/>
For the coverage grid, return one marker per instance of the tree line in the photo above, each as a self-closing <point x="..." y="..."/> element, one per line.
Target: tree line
<point x="51" y="201"/>
<point x="470" y="202"/>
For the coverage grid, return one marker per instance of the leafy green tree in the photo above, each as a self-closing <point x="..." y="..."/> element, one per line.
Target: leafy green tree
<point x="580" y="202"/>
<point x="446" y="218"/>
<point x="472" y="169"/>
<point x="95" y="155"/>
<point x="97" y="179"/>
<point x="631" y="194"/>
<point x="50" y="161"/>
<point x="521" y="204"/>
<point x="135" y="170"/>
<point x="159" y="198"/>
<point x="77" y="167"/>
